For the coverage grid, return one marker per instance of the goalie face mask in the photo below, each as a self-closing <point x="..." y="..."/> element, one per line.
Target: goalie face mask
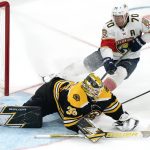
<point x="92" y="85"/>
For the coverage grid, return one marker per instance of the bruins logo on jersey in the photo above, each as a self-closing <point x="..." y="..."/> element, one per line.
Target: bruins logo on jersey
<point x="76" y="97"/>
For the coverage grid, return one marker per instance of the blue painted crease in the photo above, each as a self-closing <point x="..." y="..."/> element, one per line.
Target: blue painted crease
<point x="17" y="138"/>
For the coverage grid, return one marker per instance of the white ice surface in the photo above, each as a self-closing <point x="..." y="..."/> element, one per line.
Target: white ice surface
<point x="42" y="31"/>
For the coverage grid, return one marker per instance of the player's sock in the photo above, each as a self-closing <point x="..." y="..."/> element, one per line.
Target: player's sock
<point x="110" y="84"/>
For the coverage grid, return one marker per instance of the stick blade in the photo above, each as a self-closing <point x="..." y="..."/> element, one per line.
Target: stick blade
<point x="145" y="133"/>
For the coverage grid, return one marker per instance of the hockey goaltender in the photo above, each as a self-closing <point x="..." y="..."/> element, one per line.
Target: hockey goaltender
<point x="77" y="103"/>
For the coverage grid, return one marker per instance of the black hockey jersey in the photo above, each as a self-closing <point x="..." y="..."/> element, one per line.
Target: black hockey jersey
<point x="73" y="103"/>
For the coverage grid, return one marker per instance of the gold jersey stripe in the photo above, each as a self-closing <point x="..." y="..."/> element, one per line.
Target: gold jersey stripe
<point x="68" y="118"/>
<point x="116" y="101"/>
<point x="56" y="90"/>
<point x="115" y="109"/>
<point x="111" y="108"/>
<point x="70" y="123"/>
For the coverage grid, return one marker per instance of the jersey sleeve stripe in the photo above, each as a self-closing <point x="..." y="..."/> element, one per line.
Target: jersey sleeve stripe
<point x="113" y="109"/>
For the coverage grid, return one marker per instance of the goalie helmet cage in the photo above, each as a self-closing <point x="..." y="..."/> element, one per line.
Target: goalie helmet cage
<point x="5" y="7"/>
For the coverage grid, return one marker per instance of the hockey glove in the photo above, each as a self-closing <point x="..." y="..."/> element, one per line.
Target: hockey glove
<point x="126" y="123"/>
<point x="136" y="44"/>
<point x="109" y="65"/>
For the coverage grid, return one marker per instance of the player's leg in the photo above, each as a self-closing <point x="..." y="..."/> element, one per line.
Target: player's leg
<point x="124" y="69"/>
<point x="30" y="114"/>
<point x="43" y="98"/>
<point x="113" y="81"/>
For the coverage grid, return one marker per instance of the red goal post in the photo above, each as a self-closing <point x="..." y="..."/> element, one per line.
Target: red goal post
<point x="5" y="5"/>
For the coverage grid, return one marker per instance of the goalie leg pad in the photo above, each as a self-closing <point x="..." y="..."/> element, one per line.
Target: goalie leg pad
<point x="21" y="116"/>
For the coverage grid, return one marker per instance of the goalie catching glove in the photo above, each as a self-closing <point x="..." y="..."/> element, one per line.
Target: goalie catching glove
<point x="126" y="123"/>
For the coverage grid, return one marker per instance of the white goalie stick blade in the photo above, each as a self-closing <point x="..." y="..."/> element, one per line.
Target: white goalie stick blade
<point x="144" y="134"/>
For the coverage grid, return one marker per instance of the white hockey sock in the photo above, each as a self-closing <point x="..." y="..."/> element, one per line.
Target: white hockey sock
<point x="115" y="80"/>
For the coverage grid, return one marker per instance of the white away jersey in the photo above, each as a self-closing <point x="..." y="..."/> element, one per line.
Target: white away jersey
<point x="115" y="39"/>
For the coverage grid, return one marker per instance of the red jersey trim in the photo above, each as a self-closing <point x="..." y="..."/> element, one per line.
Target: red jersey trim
<point x="111" y="43"/>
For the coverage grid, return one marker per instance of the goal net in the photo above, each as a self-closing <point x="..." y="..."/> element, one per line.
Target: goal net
<point x="4" y="47"/>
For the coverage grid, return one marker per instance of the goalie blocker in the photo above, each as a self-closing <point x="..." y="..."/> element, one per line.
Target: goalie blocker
<point x="21" y="116"/>
<point x="90" y="131"/>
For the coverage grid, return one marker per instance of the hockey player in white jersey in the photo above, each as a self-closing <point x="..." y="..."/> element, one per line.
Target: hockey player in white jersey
<point x="124" y="32"/>
<point x="121" y="34"/>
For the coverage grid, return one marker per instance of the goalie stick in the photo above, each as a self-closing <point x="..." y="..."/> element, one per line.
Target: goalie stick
<point x="49" y="77"/>
<point x="91" y="132"/>
<point x="143" y="134"/>
<point x="136" y="97"/>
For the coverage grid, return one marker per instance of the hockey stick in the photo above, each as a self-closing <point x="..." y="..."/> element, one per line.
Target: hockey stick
<point x="116" y="63"/>
<point x="135" y="97"/>
<point x="58" y="135"/>
<point x="47" y="78"/>
<point x="143" y="134"/>
<point x="121" y="59"/>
